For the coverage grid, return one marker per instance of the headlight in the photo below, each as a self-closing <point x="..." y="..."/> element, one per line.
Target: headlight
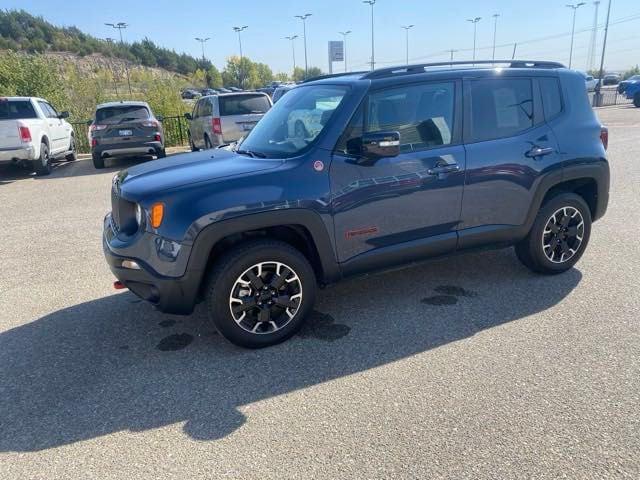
<point x="139" y="213"/>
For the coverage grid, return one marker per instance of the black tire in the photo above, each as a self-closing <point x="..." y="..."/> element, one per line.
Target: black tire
<point x="530" y="250"/>
<point x="161" y="153"/>
<point x="207" y="143"/>
<point x="71" y="156"/>
<point x="222" y="281"/>
<point x="98" y="161"/>
<point x="636" y="99"/>
<point x="42" y="165"/>
<point x="192" y="145"/>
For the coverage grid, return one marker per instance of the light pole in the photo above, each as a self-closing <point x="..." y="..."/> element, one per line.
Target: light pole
<point x="575" y="8"/>
<point x="344" y="36"/>
<point x="304" y="31"/>
<point x="597" y="98"/>
<point x="475" y="31"/>
<point x="121" y="26"/>
<point x="293" y="50"/>
<point x="202" y="42"/>
<point x="406" y="30"/>
<point x="373" y="56"/>
<point x="240" y="73"/>
<point x="495" y="30"/>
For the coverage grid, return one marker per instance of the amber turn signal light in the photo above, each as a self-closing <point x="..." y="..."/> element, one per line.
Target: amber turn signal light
<point x="157" y="212"/>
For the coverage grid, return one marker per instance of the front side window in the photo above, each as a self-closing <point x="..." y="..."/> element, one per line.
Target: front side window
<point x="121" y="114"/>
<point x="48" y="110"/>
<point x="206" y="110"/>
<point x="500" y="108"/>
<point x="296" y="121"/>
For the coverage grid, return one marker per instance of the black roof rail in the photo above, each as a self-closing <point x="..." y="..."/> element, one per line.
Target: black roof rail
<point x="420" y="68"/>
<point x="333" y="75"/>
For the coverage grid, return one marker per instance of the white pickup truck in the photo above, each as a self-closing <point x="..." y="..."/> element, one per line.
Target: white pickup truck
<point x="32" y="133"/>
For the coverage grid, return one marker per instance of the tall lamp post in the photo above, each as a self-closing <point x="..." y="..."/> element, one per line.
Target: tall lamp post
<point x="238" y="30"/>
<point x="344" y="37"/>
<point x="406" y="30"/>
<point x="373" y="56"/>
<point x="475" y="31"/>
<point x="304" y="32"/>
<point x="293" y="50"/>
<point x="575" y="8"/>
<point x="495" y="30"/>
<point x="202" y="42"/>
<point x="121" y="26"/>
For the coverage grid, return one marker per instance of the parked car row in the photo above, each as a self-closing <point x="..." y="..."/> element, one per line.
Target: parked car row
<point x="193" y="93"/>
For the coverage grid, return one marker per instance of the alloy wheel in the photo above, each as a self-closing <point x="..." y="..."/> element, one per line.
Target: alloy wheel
<point x="563" y="234"/>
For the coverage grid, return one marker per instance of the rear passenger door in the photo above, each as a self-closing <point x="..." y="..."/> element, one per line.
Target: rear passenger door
<point x="509" y="149"/>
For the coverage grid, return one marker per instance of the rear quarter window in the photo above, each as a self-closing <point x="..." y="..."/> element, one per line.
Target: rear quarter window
<point x="243" y="105"/>
<point x="551" y="97"/>
<point x="16" y="110"/>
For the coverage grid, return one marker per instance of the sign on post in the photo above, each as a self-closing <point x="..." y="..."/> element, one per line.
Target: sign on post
<point x="336" y="53"/>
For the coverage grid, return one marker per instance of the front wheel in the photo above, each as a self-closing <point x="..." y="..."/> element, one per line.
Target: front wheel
<point x="558" y="237"/>
<point x="260" y="293"/>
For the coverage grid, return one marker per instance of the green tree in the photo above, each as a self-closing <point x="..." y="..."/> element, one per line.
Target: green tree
<point x="631" y="72"/>
<point x="281" y="77"/>
<point x="214" y="78"/>
<point x="265" y="75"/>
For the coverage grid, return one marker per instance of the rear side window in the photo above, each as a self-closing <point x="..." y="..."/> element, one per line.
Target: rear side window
<point x="423" y="114"/>
<point x="551" y="97"/>
<point x="500" y="108"/>
<point x="243" y="105"/>
<point x="206" y="109"/>
<point x="16" y="110"/>
<point x="121" y="113"/>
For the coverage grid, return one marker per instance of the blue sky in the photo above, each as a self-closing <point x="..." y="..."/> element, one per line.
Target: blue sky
<point x="439" y="26"/>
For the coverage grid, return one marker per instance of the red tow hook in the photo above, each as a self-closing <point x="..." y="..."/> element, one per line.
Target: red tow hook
<point x="118" y="285"/>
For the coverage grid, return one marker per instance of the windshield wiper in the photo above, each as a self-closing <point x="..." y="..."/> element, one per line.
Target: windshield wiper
<point x="251" y="153"/>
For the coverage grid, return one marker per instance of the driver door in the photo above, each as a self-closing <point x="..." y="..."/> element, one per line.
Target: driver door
<point x="408" y="206"/>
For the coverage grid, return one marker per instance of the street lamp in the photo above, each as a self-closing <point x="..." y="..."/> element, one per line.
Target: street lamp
<point x="202" y="42"/>
<point x="293" y="50"/>
<point x="304" y="31"/>
<point x="406" y="29"/>
<point x="575" y="8"/>
<point x="475" y="31"/>
<point x="240" y="75"/>
<point x="121" y="26"/>
<point x="344" y="36"/>
<point x="495" y="29"/>
<point x="373" y="59"/>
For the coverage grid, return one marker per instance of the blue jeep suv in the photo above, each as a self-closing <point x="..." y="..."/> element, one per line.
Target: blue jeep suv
<point x="358" y="172"/>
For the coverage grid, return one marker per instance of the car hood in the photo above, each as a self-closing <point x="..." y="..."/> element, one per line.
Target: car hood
<point x="188" y="168"/>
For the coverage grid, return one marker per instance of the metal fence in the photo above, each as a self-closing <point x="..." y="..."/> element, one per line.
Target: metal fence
<point x="175" y="133"/>
<point x="610" y="97"/>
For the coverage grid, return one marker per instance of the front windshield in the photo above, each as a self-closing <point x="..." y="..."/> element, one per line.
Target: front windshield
<point x="295" y="122"/>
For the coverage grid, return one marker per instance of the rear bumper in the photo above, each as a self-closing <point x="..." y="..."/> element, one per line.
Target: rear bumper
<point x="163" y="278"/>
<point x="127" y="148"/>
<point x="14" y="154"/>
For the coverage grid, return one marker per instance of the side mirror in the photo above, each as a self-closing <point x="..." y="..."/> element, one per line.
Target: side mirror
<point x="160" y="118"/>
<point x="377" y="145"/>
<point x="188" y="116"/>
<point x="89" y="122"/>
<point x="64" y="114"/>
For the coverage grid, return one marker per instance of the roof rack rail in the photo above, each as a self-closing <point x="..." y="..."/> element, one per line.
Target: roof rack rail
<point x="333" y="75"/>
<point x="420" y="68"/>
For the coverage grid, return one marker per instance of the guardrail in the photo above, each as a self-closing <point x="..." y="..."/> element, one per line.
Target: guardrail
<point x="610" y="97"/>
<point x="175" y="133"/>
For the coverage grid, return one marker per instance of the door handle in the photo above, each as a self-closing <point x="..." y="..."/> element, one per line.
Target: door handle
<point x="538" y="152"/>
<point x="439" y="170"/>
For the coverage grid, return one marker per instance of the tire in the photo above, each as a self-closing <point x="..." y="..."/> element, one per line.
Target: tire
<point x="161" y="153"/>
<point x="636" y="99"/>
<point x="192" y="145"/>
<point x="42" y="165"/>
<point x="548" y="229"/>
<point x="98" y="161"/>
<point x="71" y="156"/>
<point x="224" y="289"/>
<point x="207" y="143"/>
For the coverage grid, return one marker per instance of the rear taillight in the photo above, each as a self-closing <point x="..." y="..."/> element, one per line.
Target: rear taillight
<point x="95" y="127"/>
<point x="150" y="124"/>
<point x="94" y="142"/>
<point x="604" y="137"/>
<point x="25" y="133"/>
<point x="217" y="125"/>
<point x="157" y="137"/>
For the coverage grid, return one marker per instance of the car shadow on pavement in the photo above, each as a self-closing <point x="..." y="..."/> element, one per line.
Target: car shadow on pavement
<point x="114" y="364"/>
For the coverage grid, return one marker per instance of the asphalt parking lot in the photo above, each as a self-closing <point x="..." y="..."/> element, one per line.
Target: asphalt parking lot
<point x="468" y="367"/>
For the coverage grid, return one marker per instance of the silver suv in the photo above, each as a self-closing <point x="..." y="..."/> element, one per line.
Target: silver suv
<point x="225" y="118"/>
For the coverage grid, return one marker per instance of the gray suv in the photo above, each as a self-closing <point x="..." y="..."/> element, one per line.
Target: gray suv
<point x="122" y="129"/>
<point x="225" y="118"/>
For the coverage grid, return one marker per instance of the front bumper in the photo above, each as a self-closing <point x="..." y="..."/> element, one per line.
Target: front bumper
<point x="164" y="279"/>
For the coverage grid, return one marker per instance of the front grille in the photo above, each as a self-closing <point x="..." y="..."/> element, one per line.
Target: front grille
<point x="123" y="212"/>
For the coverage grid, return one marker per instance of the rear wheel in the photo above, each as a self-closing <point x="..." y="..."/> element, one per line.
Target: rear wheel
<point x="71" y="156"/>
<point x="192" y="145"/>
<point x="161" y="153"/>
<point x="98" y="161"/>
<point x="559" y="235"/>
<point x="636" y="99"/>
<point x="42" y="165"/>
<point x="260" y="293"/>
<point x="207" y="143"/>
